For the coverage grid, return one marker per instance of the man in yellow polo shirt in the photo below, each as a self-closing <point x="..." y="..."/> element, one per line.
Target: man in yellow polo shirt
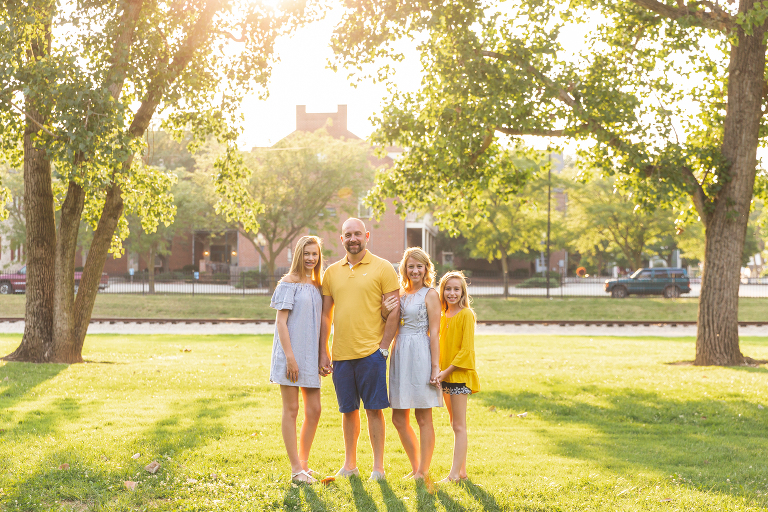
<point x="352" y="293"/>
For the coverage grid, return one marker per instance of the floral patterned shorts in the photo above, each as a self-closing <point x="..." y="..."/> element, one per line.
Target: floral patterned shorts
<point x="456" y="388"/>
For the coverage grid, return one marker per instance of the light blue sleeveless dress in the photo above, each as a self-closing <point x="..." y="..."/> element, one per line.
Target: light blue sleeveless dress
<point x="306" y="305"/>
<point x="410" y="365"/>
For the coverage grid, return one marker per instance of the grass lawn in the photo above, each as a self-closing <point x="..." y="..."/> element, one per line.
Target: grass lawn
<point x="610" y="426"/>
<point x="222" y="306"/>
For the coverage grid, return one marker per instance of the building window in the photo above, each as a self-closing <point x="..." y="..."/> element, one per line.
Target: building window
<point x="331" y="211"/>
<point x="363" y="211"/>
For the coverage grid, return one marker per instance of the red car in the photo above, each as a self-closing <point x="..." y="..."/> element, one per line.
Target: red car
<point x="17" y="282"/>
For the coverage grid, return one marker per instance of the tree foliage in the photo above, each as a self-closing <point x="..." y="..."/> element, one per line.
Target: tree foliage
<point x="502" y="224"/>
<point x="602" y="218"/>
<point x="667" y="95"/>
<point x="290" y="186"/>
<point x="81" y="82"/>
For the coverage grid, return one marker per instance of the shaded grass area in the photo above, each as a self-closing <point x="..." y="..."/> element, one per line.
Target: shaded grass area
<point x="586" y="308"/>
<point x="609" y="426"/>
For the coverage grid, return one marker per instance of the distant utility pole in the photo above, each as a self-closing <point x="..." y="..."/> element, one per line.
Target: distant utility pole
<point x="549" y="201"/>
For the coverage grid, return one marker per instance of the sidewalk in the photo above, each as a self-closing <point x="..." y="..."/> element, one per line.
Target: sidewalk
<point x="665" y="331"/>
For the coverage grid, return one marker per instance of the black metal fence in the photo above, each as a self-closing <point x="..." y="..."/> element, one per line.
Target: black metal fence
<point x="191" y="283"/>
<point x="481" y="284"/>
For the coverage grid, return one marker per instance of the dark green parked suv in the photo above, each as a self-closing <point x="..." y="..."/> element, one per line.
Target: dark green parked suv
<point x="669" y="282"/>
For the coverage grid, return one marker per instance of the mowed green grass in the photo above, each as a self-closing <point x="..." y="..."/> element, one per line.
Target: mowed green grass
<point x="610" y="425"/>
<point x="577" y="308"/>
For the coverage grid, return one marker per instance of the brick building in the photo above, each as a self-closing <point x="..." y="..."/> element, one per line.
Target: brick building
<point x="231" y="252"/>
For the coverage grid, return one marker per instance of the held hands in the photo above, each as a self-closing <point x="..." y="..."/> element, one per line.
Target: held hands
<point x="388" y="304"/>
<point x="434" y="378"/>
<point x="442" y="376"/>
<point x="292" y="371"/>
<point x="325" y="367"/>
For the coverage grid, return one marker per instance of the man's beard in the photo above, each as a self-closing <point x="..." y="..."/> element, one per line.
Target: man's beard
<point x="354" y="249"/>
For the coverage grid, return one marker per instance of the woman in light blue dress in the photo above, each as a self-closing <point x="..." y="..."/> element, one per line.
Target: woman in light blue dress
<point x="296" y="351"/>
<point x="414" y="364"/>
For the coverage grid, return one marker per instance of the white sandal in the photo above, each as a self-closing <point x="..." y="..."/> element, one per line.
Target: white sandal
<point x="310" y="478"/>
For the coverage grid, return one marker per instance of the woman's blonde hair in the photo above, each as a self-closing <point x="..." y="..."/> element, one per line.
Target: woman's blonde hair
<point x="297" y="263"/>
<point x="422" y="257"/>
<point x="465" y="301"/>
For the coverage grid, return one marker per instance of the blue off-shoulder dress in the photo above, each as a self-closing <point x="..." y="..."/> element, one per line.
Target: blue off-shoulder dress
<point x="306" y="305"/>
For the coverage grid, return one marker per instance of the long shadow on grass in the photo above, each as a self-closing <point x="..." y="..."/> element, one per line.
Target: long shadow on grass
<point x="189" y="426"/>
<point x="316" y="503"/>
<point x="448" y="502"/>
<point x="18" y="379"/>
<point x="425" y="498"/>
<point x="363" y="500"/>
<point x="622" y="428"/>
<point x="391" y="501"/>
<point x="480" y="495"/>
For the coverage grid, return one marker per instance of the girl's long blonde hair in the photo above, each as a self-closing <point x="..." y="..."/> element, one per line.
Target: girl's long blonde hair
<point x="465" y="301"/>
<point x="422" y="257"/>
<point x="297" y="263"/>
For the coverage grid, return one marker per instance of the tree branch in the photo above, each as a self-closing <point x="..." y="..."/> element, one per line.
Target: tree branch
<point x="716" y="18"/>
<point x="483" y="147"/>
<point x="562" y="94"/>
<point x="122" y="47"/>
<point x="163" y="78"/>
<point x="240" y="39"/>
<point x="700" y="199"/>
<point x="25" y="114"/>
<point x="583" y="128"/>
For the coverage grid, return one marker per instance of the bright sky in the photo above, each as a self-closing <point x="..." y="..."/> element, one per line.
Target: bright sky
<point x="303" y="78"/>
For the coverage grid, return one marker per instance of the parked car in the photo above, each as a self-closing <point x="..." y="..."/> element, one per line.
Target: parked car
<point x="669" y="282"/>
<point x="16" y="282"/>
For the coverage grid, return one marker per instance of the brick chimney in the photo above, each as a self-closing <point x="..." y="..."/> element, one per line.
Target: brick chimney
<point x="334" y="122"/>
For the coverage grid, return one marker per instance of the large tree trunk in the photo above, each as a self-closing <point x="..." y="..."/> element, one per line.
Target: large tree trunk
<point x="94" y="265"/>
<point x="66" y="246"/>
<point x="40" y="247"/>
<point x="717" y="338"/>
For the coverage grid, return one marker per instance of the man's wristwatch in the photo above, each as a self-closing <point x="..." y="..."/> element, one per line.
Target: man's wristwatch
<point x="384" y="352"/>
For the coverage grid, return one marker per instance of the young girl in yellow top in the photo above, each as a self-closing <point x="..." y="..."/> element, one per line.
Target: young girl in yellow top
<point x="457" y="364"/>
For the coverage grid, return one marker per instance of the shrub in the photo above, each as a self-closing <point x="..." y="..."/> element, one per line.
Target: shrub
<point x="251" y="279"/>
<point x="520" y="273"/>
<point x="539" y="282"/>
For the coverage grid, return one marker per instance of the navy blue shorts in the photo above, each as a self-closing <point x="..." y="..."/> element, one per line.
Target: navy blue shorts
<point x="364" y="379"/>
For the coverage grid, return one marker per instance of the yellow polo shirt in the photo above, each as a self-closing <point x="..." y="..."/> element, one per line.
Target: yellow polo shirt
<point x="356" y="293"/>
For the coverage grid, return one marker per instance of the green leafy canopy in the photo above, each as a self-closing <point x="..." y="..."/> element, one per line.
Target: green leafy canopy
<point x="639" y="85"/>
<point x="92" y="75"/>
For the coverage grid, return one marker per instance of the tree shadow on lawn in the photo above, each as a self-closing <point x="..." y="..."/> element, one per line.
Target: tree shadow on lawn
<point x="97" y="481"/>
<point x="167" y="437"/>
<point x="749" y="369"/>
<point x="23" y="378"/>
<point x="619" y="429"/>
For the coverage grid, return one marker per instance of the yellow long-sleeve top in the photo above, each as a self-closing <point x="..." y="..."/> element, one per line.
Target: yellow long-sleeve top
<point x="457" y="348"/>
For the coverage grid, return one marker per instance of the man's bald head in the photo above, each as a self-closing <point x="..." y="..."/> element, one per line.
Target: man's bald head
<point x="353" y="223"/>
<point x="354" y="236"/>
